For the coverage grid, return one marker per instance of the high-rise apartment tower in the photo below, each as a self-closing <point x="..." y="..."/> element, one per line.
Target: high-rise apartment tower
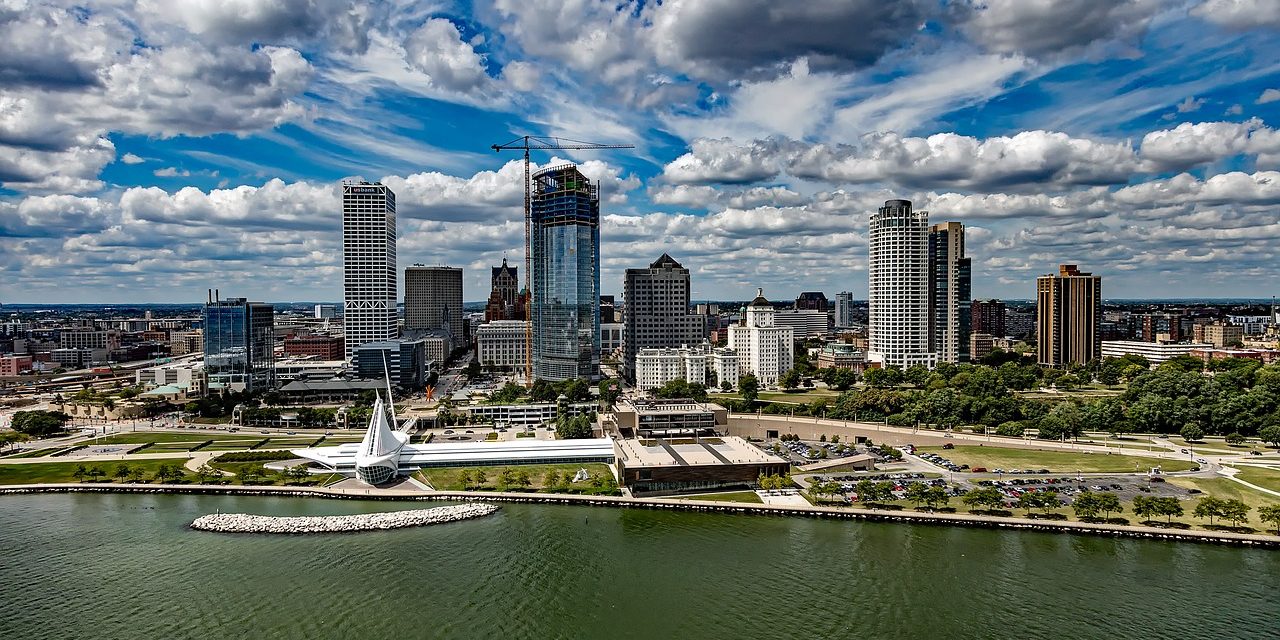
<point x="657" y="300"/>
<point x="898" y="286"/>
<point x="1068" y="315"/>
<point x="950" y="282"/>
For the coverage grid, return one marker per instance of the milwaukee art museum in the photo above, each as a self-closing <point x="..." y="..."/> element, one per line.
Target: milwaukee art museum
<point x="385" y="453"/>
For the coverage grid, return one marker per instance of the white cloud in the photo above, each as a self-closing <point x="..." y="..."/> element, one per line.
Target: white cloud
<point x="1240" y="14"/>
<point x="131" y="158"/>
<point x="1190" y="104"/>
<point x="1188" y="144"/>
<point x="1270" y="95"/>
<point x="436" y="48"/>
<point x="171" y="172"/>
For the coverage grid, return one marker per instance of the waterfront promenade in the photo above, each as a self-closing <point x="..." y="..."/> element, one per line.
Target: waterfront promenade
<point x="1259" y="540"/>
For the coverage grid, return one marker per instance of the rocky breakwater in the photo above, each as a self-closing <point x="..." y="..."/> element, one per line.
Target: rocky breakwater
<point x="248" y="523"/>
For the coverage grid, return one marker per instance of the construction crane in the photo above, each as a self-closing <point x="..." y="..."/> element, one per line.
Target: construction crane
<point x="525" y="143"/>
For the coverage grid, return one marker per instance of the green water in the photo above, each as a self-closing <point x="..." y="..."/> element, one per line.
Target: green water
<point x="122" y="566"/>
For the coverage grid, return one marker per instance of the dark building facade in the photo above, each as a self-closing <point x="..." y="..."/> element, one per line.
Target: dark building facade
<point x="404" y="361"/>
<point x="504" y="293"/>
<point x="325" y="347"/>
<point x="812" y="301"/>
<point x="657" y="300"/>
<point x="950" y="293"/>
<point x="239" y="344"/>
<point x="988" y="317"/>
<point x="1068" y="315"/>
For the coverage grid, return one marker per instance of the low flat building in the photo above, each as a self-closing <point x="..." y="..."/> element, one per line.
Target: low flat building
<point x="1154" y="352"/>
<point x="385" y="453"/>
<point x="305" y="390"/>
<point x="14" y="365"/>
<point x="185" y="376"/>
<point x="841" y="355"/>
<point x="292" y="368"/>
<point x="533" y="414"/>
<point x="805" y="323"/>
<point x="404" y="360"/>
<point x="659" y="467"/>
<point x="700" y="364"/>
<point x="669" y="418"/>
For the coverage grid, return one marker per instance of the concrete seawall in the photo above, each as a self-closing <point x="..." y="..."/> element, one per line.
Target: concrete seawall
<point x="841" y="513"/>
<point x="248" y="523"/>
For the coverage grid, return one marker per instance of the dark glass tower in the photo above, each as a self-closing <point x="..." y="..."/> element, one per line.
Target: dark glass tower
<point x="239" y="345"/>
<point x="565" y="230"/>
<point x="950" y="291"/>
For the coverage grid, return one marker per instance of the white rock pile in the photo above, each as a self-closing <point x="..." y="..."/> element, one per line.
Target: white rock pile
<point x="248" y="523"/>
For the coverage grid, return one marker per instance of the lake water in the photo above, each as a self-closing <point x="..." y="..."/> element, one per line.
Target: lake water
<point x="127" y="566"/>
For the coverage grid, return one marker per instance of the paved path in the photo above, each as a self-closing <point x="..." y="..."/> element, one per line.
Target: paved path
<point x="1230" y="474"/>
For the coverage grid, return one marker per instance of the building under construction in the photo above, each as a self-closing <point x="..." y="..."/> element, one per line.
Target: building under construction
<point x="565" y="239"/>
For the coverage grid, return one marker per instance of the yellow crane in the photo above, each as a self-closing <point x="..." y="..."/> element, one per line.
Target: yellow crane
<point x="542" y="143"/>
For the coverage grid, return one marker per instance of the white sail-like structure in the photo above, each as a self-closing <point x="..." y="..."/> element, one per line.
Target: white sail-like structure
<point x="378" y="458"/>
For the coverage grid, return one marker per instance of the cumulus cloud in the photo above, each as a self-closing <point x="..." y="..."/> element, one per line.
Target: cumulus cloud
<point x="1270" y="95"/>
<point x="131" y="158"/>
<point x="1043" y="27"/>
<point x="436" y="48"/>
<point x="1189" y="144"/>
<point x="1240" y="14"/>
<point x="1190" y="104"/>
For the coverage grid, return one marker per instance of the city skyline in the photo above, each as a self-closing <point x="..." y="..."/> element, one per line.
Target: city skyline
<point x="1141" y="141"/>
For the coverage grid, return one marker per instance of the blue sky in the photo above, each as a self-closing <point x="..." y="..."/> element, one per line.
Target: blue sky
<point x="151" y="149"/>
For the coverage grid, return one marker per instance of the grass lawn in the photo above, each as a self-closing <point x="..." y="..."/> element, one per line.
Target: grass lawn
<point x="1225" y="489"/>
<point x="446" y="478"/>
<point x="1265" y="478"/>
<point x="143" y="437"/>
<point x="63" y="471"/>
<point x="800" y="397"/>
<point x="267" y="476"/>
<point x="1055" y="461"/>
<point x="730" y="496"/>
<point x="1218" y="444"/>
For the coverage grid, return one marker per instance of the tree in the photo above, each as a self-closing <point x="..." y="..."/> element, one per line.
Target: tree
<point x="985" y="497"/>
<point x="122" y="472"/>
<point x="1234" y="438"/>
<point x="574" y="427"/>
<point x="464" y="479"/>
<point x="1208" y="507"/>
<point x="1271" y="514"/>
<point x="1235" y="511"/>
<point x="749" y="387"/>
<point x="1270" y="434"/>
<point x="1048" y="500"/>
<point x="481" y="477"/>
<point x="472" y="370"/>
<point x="610" y="391"/>
<point x="1069" y="381"/>
<point x="39" y="424"/>
<point x="790" y="379"/>
<point x="1086" y="505"/>
<point x="552" y="480"/>
<point x="135" y="474"/>
<point x="80" y="473"/>
<point x="508" y="478"/>
<point x="1144" y="507"/>
<point x="522" y="478"/>
<point x="883" y="377"/>
<point x="96" y="472"/>
<point x="1170" y="508"/>
<point x="1191" y="433"/>
<point x="917" y="492"/>
<point x="1108" y="503"/>
<point x="839" y="379"/>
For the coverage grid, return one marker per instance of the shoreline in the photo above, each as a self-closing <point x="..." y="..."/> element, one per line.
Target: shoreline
<point x="1253" y="540"/>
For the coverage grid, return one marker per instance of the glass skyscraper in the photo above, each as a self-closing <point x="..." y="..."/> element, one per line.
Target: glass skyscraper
<point x="239" y="345"/>
<point x="565" y="311"/>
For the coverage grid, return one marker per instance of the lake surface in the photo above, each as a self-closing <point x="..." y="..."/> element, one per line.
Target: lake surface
<point x="127" y="566"/>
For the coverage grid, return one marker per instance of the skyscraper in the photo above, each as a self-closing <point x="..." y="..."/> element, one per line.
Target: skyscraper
<point x="657" y="300"/>
<point x="764" y="349"/>
<point x="950" y="282"/>
<point x="239" y="344"/>
<point x="433" y="300"/>
<point x="368" y="264"/>
<point x="504" y="293"/>
<point x="1068" y="312"/>
<point x="565" y="305"/>
<point x="844" y="310"/>
<point x="898" y="286"/>
<point x="988" y="317"/>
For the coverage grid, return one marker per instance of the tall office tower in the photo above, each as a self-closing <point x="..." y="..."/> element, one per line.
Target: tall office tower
<point x="505" y="290"/>
<point x="658" y="315"/>
<point x="1068" y="312"/>
<point x="950" y="282"/>
<point x="565" y="304"/>
<point x="844" y="310"/>
<point x="368" y="264"/>
<point x="239" y="344"/>
<point x="764" y="348"/>
<point x="812" y="301"/>
<point x="898" y="286"/>
<point x="987" y="316"/>
<point x="433" y="300"/>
